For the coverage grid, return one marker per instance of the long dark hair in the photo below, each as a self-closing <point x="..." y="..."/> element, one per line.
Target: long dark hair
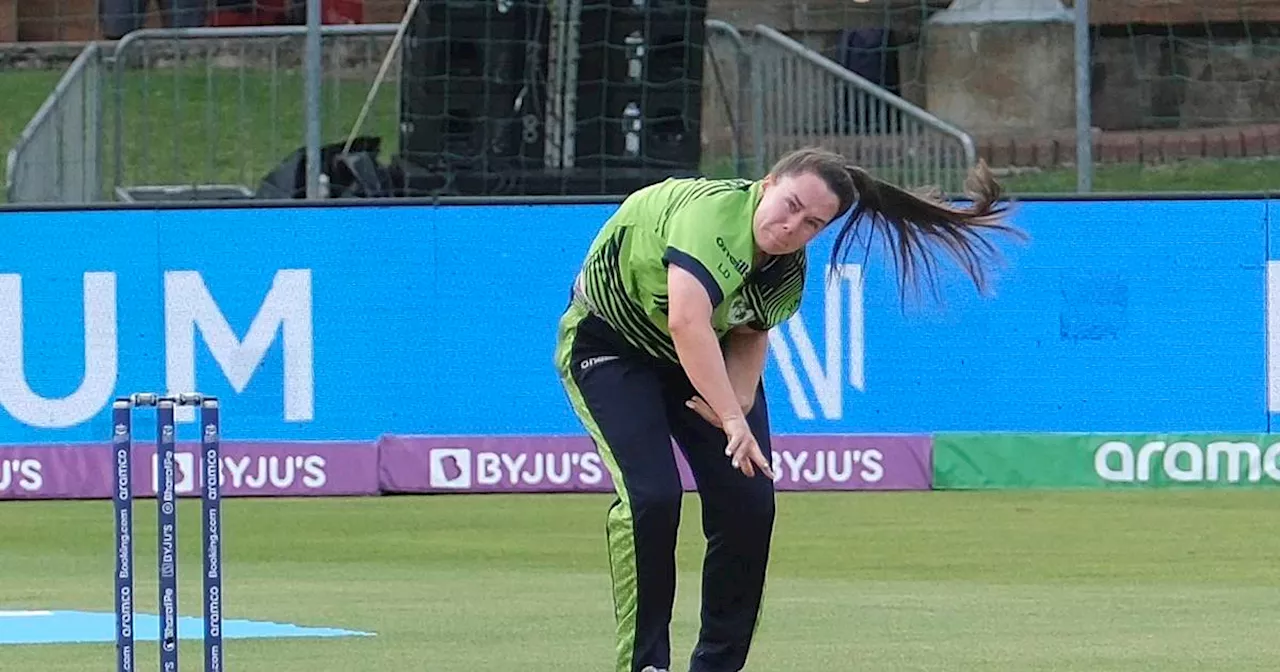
<point x="911" y="222"/>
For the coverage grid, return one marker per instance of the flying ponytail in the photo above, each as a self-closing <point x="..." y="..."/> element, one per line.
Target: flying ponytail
<point x="912" y="223"/>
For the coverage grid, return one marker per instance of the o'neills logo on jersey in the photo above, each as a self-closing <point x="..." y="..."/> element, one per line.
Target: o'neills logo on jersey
<point x="737" y="263"/>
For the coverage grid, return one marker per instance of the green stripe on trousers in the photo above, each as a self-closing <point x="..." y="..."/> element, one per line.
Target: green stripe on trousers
<point x="620" y="530"/>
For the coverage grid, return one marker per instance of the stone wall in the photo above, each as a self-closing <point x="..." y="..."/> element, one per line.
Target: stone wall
<point x="1009" y="77"/>
<point x="1159" y="81"/>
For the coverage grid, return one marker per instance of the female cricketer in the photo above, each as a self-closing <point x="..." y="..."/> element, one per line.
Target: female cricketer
<point x="665" y="337"/>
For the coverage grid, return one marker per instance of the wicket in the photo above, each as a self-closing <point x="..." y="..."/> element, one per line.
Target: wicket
<point x="167" y="526"/>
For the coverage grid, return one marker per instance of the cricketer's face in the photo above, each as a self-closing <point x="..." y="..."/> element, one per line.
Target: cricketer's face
<point x="793" y="209"/>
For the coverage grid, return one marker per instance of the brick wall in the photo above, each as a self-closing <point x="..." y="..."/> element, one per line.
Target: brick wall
<point x="1149" y="147"/>
<point x="1164" y="12"/>
<point x="56" y="20"/>
<point x="8" y="21"/>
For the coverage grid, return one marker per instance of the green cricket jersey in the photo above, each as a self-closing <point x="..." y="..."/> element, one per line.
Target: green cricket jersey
<point x="705" y="227"/>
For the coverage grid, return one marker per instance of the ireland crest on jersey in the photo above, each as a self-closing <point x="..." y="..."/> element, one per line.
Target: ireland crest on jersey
<point x="739" y="312"/>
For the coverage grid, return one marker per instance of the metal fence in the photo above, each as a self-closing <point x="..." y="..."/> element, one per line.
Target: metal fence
<point x="726" y="125"/>
<point x="208" y="113"/>
<point x="1189" y="81"/>
<point x="58" y="156"/>
<point x="800" y="98"/>
<point x="217" y="109"/>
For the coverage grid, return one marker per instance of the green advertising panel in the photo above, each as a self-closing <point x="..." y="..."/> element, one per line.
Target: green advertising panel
<point x="977" y="461"/>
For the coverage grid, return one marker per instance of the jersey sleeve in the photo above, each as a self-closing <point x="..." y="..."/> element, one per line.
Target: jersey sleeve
<point x="767" y="317"/>
<point x="700" y="239"/>
<point x="776" y="294"/>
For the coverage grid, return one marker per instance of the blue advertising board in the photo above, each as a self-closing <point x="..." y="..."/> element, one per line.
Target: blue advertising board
<point x="350" y="322"/>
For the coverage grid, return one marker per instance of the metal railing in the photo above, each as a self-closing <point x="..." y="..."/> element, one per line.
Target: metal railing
<point x="726" y="91"/>
<point x="801" y="98"/>
<point x="58" y="156"/>
<point x="207" y="113"/>
<point x="217" y="109"/>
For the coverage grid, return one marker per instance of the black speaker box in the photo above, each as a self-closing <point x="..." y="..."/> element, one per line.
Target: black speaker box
<point x="639" y="86"/>
<point x="473" y="85"/>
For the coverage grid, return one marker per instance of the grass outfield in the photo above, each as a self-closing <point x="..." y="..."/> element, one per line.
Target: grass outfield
<point x="228" y="127"/>
<point x="875" y="581"/>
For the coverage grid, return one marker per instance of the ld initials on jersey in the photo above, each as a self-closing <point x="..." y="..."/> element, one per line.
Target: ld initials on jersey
<point x="791" y="341"/>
